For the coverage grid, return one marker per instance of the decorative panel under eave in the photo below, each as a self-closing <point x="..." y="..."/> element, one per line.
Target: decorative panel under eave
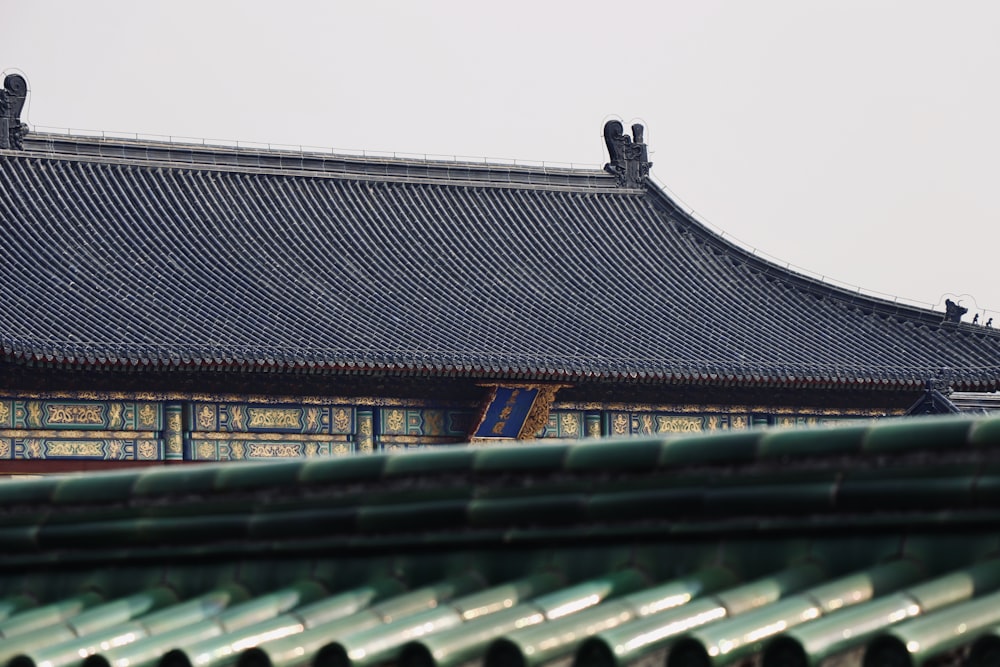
<point x="37" y="429"/>
<point x="234" y="431"/>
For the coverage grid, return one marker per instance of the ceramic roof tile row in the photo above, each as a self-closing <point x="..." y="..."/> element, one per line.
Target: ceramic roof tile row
<point x="790" y="548"/>
<point x="129" y="261"/>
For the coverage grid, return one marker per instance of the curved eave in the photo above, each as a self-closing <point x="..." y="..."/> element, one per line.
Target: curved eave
<point x="963" y="380"/>
<point x="865" y="302"/>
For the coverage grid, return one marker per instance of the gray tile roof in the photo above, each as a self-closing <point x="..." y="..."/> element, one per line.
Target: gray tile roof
<point x="128" y="253"/>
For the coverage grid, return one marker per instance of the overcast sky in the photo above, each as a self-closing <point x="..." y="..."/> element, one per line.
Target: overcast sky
<point x="855" y="139"/>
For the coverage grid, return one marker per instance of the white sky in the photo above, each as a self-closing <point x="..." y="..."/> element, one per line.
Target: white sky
<point x="857" y="139"/>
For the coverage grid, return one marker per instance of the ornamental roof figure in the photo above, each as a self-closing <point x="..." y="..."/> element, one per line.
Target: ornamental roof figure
<point x="12" y="97"/>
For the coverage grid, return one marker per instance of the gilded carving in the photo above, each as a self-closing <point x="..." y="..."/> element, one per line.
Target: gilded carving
<point x="90" y="415"/>
<point x="236" y="417"/>
<point x="273" y="450"/>
<point x="147" y="450"/>
<point x="620" y="424"/>
<point x="237" y="450"/>
<point x="275" y="418"/>
<point x="342" y="420"/>
<point x="32" y="448"/>
<point x="570" y="424"/>
<point x="115" y="418"/>
<point x="92" y="449"/>
<point x="116" y="449"/>
<point x="206" y="451"/>
<point x="341" y="449"/>
<point x="366" y="443"/>
<point x="4" y="448"/>
<point x="4" y="413"/>
<point x="174" y="420"/>
<point x="738" y="422"/>
<point x="394" y="421"/>
<point x="147" y="415"/>
<point x="206" y="418"/>
<point x="312" y="419"/>
<point x="665" y="424"/>
<point x="646" y="422"/>
<point x="538" y="416"/>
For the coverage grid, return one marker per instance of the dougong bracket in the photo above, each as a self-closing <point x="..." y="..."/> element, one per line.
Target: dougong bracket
<point x="629" y="158"/>
<point x="12" y="97"/>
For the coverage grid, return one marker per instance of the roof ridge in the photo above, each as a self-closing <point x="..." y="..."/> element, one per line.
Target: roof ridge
<point x="115" y="150"/>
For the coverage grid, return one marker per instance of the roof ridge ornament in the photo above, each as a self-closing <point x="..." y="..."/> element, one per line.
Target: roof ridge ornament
<point x="629" y="158"/>
<point x="12" y="130"/>
<point x="954" y="311"/>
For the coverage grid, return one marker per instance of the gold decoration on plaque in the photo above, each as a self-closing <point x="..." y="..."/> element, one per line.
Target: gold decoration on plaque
<point x="673" y="424"/>
<point x="147" y="415"/>
<point x="61" y="413"/>
<point x="275" y="418"/>
<point x="394" y="421"/>
<point x="342" y="420"/>
<point x="236" y="449"/>
<point x="538" y="415"/>
<point x="34" y="414"/>
<point x="236" y="417"/>
<point x="206" y="418"/>
<point x="206" y="451"/>
<point x="273" y="450"/>
<point x="115" y="419"/>
<point x="116" y="449"/>
<point x="647" y="424"/>
<point x="93" y="449"/>
<point x="33" y="448"/>
<point x="570" y="423"/>
<point x="620" y="424"/>
<point x="312" y="419"/>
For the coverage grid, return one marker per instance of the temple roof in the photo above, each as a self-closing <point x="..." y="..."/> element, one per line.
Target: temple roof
<point x="128" y="253"/>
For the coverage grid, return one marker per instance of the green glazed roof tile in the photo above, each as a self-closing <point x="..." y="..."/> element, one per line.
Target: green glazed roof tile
<point x="380" y="539"/>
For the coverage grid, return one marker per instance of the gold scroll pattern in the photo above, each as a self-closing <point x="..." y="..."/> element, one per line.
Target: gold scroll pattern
<point x="275" y="418"/>
<point x="274" y="450"/>
<point x="366" y="442"/>
<point x="91" y="449"/>
<point x="84" y="414"/>
<point x="112" y="449"/>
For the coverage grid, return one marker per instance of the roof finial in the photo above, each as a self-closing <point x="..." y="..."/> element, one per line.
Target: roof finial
<point x="12" y="130"/>
<point x="953" y="311"/>
<point x="629" y="159"/>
